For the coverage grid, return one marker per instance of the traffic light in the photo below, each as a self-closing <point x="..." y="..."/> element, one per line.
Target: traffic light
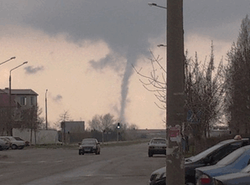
<point x="118" y="125"/>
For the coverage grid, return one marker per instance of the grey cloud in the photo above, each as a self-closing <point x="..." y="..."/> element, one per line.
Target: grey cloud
<point x="33" y="70"/>
<point x="58" y="98"/>
<point x="125" y="25"/>
<point x="111" y="60"/>
<point x="210" y="17"/>
<point x="120" y="23"/>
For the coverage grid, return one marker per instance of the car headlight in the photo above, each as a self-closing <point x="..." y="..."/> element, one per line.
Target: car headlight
<point x="156" y="176"/>
<point x="153" y="177"/>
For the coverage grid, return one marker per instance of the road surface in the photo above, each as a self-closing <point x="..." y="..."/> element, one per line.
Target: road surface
<point x="117" y="165"/>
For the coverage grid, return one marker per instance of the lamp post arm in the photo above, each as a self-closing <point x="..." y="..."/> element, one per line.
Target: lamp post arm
<point x="156" y="5"/>
<point x="8" y="60"/>
<point x="18" y="66"/>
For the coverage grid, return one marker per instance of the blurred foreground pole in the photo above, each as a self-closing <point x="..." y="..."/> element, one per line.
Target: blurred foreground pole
<point x="175" y="93"/>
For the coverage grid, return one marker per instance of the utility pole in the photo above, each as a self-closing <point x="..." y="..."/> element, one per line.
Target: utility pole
<point x="46" y="112"/>
<point x="175" y="93"/>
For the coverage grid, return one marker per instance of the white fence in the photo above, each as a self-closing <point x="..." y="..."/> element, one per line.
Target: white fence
<point x="41" y="136"/>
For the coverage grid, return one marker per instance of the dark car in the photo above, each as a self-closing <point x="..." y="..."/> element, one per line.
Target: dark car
<point x="208" y="157"/>
<point x="89" y="145"/>
<point x="4" y="144"/>
<point x="157" y="146"/>
<point x="240" y="178"/>
<point x="232" y="163"/>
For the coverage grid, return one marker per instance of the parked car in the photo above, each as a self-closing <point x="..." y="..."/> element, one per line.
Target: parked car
<point x="16" y="142"/>
<point x="157" y="146"/>
<point x="239" y="178"/>
<point x="4" y="145"/>
<point x="89" y="145"/>
<point x="208" y="157"/>
<point x="8" y="141"/>
<point x="232" y="163"/>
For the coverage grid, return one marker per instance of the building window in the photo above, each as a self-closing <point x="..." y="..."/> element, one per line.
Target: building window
<point x="23" y="101"/>
<point x="32" y="101"/>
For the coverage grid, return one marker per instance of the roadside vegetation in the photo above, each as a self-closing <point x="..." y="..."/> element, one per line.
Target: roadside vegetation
<point x="215" y="93"/>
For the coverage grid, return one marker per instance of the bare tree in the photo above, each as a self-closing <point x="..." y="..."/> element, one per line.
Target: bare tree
<point x="4" y="120"/>
<point x="101" y="123"/>
<point x="30" y="119"/>
<point x="204" y="94"/>
<point x="237" y="97"/>
<point x="155" y="82"/>
<point x="204" y="90"/>
<point x="65" y="116"/>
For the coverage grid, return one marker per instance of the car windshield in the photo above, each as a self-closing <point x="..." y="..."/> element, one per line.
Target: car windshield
<point x="232" y="157"/>
<point x="8" y="139"/>
<point x="158" y="141"/>
<point x="18" y="138"/>
<point x="84" y="142"/>
<point x="205" y="153"/>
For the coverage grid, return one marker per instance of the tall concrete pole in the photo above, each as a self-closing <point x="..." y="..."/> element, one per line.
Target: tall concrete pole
<point x="175" y="92"/>
<point x="46" y="112"/>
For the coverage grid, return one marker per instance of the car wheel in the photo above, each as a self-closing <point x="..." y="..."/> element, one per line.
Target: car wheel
<point x="80" y="152"/>
<point x="150" y="154"/>
<point x="13" y="147"/>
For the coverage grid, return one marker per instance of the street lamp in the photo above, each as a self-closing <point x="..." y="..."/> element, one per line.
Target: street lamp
<point x="162" y="45"/>
<point x="154" y="4"/>
<point x="46" y="118"/>
<point x="8" y="60"/>
<point x="10" y="86"/>
<point x="10" y="75"/>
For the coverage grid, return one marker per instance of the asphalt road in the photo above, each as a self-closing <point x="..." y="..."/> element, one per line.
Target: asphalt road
<point x="120" y="165"/>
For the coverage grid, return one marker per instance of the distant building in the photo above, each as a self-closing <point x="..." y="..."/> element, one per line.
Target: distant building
<point x="72" y="131"/>
<point x="72" y="126"/>
<point x="16" y="104"/>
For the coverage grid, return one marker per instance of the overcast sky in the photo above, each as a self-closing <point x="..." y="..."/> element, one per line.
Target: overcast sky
<point x="82" y="51"/>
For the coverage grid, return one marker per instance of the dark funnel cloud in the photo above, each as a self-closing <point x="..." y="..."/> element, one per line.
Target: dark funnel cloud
<point x="124" y="25"/>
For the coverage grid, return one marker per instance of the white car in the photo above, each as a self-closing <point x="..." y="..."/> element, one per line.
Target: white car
<point x="16" y="142"/>
<point x="157" y="146"/>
